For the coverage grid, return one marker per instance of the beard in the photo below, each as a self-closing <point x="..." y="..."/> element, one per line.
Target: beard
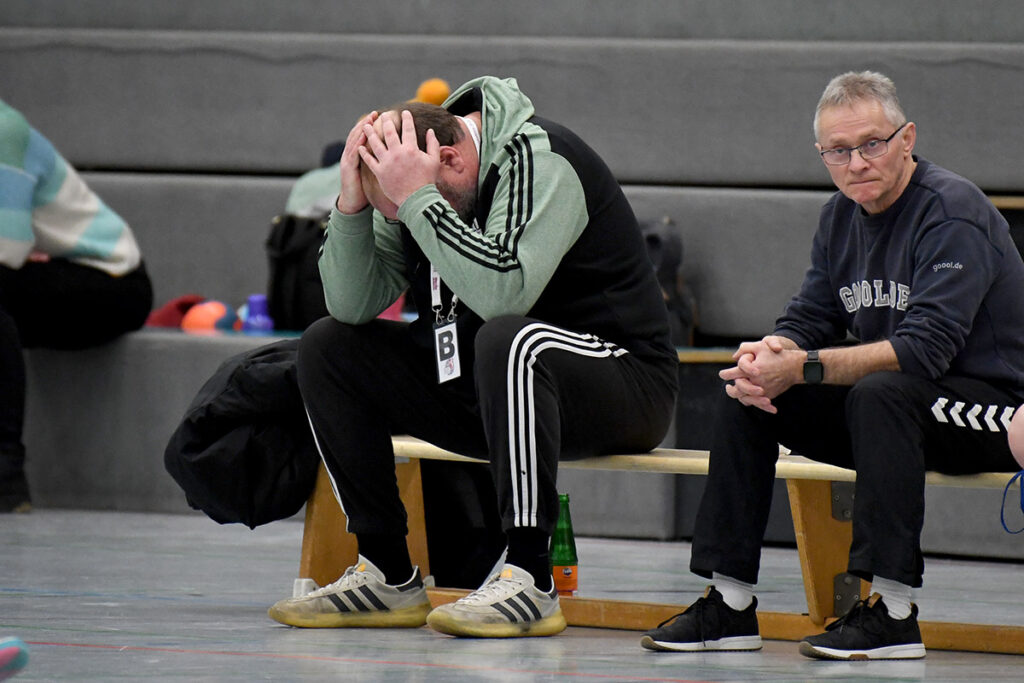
<point x="462" y="201"/>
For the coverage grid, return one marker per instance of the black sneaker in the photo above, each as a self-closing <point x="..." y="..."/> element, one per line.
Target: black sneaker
<point x="708" y="624"/>
<point x="867" y="632"/>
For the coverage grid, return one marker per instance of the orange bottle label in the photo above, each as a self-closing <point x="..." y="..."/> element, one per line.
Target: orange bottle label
<point x="566" y="578"/>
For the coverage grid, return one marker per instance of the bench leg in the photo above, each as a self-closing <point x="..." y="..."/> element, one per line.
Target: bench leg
<point x="327" y="548"/>
<point x="823" y="544"/>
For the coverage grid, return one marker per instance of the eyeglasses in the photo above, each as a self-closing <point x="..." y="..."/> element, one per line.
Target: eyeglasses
<point x="872" y="149"/>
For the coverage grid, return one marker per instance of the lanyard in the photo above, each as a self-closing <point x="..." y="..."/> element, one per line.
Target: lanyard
<point x="435" y="298"/>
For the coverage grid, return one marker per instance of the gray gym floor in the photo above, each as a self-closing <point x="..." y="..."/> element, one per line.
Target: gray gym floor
<point x="127" y="596"/>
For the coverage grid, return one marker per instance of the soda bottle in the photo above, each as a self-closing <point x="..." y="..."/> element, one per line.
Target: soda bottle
<point x="564" y="563"/>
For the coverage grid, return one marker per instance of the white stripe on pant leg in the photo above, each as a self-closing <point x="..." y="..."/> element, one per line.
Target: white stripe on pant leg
<point x="525" y="348"/>
<point x="522" y="415"/>
<point x="515" y="424"/>
<point x="334" y="484"/>
<point x="534" y="353"/>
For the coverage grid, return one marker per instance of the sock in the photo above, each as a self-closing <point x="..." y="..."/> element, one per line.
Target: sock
<point x="736" y="594"/>
<point x="528" y="550"/>
<point x="895" y="595"/>
<point x="390" y="555"/>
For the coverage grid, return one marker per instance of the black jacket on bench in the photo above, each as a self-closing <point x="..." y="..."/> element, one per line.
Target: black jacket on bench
<point x="244" y="452"/>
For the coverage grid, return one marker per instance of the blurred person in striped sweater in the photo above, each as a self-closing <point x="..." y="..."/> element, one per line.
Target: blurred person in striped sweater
<point x="71" y="276"/>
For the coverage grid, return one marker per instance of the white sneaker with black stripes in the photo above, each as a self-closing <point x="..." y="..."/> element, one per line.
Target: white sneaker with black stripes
<point x="360" y="598"/>
<point x="508" y="605"/>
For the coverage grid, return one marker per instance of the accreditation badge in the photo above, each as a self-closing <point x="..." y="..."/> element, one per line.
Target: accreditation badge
<point x="446" y="352"/>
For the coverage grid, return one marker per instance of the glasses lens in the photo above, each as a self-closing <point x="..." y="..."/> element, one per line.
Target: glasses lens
<point x="873" y="148"/>
<point x="836" y="157"/>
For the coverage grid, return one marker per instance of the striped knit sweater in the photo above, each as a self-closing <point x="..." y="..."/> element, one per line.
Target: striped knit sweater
<point x="46" y="207"/>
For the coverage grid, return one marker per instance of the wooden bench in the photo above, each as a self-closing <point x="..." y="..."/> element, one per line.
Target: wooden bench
<point x="820" y="499"/>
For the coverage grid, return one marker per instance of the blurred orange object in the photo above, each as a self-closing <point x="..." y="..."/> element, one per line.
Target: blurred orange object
<point x="211" y="316"/>
<point x="433" y="91"/>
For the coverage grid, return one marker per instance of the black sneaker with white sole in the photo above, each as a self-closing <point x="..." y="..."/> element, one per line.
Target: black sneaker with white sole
<point x="708" y="624"/>
<point x="867" y="632"/>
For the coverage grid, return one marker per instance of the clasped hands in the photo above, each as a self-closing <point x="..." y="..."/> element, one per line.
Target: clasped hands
<point x="764" y="369"/>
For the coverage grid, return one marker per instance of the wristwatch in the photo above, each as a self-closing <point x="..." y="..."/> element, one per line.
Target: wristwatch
<point x="814" y="372"/>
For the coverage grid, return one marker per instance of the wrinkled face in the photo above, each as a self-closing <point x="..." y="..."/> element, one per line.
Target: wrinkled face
<point x="873" y="183"/>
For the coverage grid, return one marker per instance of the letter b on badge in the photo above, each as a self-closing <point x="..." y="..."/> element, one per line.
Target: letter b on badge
<point x="446" y="346"/>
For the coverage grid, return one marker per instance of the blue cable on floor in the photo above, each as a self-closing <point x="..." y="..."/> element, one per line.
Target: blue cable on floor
<point x="1002" y="510"/>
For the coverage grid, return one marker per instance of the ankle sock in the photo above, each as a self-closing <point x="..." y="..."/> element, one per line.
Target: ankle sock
<point x="895" y="595"/>
<point x="528" y="550"/>
<point x="390" y="555"/>
<point x="736" y="594"/>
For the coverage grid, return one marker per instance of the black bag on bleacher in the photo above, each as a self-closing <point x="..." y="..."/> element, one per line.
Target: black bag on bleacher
<point x="244" y="452"/>
<point x="664" y="243"/>
<point x="295" y="293"/>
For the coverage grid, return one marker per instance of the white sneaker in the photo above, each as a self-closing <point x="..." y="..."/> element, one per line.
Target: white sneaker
<point x="508" y="605"/>
<point x="360" y="598"/>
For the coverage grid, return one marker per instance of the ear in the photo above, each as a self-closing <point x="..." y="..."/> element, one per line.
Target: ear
<point x="909" y="135"/>
<point x="452" y="159"/>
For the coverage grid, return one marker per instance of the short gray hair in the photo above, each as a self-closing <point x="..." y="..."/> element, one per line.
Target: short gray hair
<point x="850" y="87"/>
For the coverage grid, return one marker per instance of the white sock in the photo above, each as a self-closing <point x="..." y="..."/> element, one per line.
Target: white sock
<point x="735" y="593"/>
<point x="895" y="595"/>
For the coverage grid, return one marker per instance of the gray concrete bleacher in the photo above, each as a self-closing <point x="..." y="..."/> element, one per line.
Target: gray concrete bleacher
<point x="669" y="112"/>
<point x="984" y="21"/>
<point x="193" y="118"/>
<point x="200" y="233"/>
<point x="98" y="420"/>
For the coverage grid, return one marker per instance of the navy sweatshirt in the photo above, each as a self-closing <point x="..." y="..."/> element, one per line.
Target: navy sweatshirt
<point x="936" y="274"/>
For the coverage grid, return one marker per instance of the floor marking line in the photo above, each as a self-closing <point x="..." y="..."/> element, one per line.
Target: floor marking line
<point x="354" y="660"/>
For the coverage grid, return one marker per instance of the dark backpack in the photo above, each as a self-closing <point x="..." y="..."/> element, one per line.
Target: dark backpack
<point x="295" y="293"/>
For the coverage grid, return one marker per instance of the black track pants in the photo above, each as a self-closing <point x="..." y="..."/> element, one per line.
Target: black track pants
<point x="890" y="427"/>
<point x="535" y="394"/>
<point x="59" y="305"/>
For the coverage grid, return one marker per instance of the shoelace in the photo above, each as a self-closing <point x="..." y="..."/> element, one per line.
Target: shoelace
<point x="697" y="607"/>
<point x="859" y="616"/>
<point x="492" y="591"/>
<point x="350" y="574"/>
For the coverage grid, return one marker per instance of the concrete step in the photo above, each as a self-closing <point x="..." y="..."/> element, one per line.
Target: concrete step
<point x="910" y="20"/>
<point x="698" y="112"/>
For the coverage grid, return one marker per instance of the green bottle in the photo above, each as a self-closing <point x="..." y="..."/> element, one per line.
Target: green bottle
<point x="564" y="563"/>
